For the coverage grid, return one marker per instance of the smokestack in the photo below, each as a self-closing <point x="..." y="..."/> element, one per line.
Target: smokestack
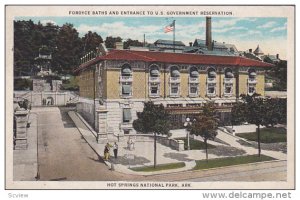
<point x="208" y="34"/>
<point x="191" y="44"/>
<point x="277" y="56"/>
<point x="250" y="50"/>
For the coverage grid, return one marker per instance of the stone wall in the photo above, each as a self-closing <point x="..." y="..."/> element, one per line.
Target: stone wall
<point x="170" y="142"/>
<point x="47" y="98"/>
<point x="20" y="135"/>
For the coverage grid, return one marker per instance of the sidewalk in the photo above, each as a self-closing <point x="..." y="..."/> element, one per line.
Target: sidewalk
<point x="232" y="140"/>
<point x="141" y="156"/>
<point x="25" y="161"/>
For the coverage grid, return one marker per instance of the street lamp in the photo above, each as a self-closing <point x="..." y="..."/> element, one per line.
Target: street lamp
<point x="186" y="124"/>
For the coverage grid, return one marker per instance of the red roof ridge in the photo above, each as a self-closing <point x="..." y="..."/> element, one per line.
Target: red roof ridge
<point x="130" y="51"/>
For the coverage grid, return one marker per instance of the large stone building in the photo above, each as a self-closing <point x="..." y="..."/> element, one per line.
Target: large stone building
<point x="115" y="85"/>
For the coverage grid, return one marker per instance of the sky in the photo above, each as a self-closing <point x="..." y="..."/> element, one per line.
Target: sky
<point x="246" y="33"/>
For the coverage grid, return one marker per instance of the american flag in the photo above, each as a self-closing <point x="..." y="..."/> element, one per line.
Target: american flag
<point x="169" y="28"/>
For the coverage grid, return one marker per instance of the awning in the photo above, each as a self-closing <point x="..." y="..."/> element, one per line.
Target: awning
<point x="154" y="72"/>
<point x="126" y="114"/>
<point x="229" y="75"/>
<point x="194" y="74"/>
<point x="175" y="73"/>
<point x="252" y="74"/>
<point x="126" y="71"/>
<point x="212" y="74"/>
<point x="126" y="89"/>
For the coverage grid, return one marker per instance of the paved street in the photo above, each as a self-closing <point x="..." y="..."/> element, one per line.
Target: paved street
<point x="63" y="153"/>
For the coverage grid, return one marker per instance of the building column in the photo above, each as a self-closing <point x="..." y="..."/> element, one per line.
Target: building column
<point x="20" y="139"/>
<point x="102" y="123"/>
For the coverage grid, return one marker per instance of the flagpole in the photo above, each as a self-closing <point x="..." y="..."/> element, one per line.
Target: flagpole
<point x="174" y="37"/>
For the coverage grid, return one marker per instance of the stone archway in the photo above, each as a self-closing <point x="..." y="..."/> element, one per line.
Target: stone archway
<point x="49" y="101"/>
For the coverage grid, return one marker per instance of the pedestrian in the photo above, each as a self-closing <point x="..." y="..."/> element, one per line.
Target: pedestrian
<point x="115" y="148"/>
<point x="106" y="151"/>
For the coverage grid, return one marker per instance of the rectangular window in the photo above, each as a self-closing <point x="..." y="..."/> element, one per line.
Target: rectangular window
<point x="126" y="89"/>
<point x="211" y="88"/>
<point x="154" y="89"/>
<point x="251" y="89"/>
<point x="228" y="89"/>
<point x="126" y="114"/>
<point x="193" y="89"/>
<point x="175" y="89"/>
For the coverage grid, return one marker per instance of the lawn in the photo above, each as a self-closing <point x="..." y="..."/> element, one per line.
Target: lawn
<point x="267" y="135"/>
<point x="159" y="167"/>
<point x="221" y="162"/>
<point x="195" y="144"/>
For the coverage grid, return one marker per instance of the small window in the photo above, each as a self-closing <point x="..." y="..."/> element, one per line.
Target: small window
<point x="174" y="89"/>
<point x="193" y="88"/>
<point x="126" y="115"/>
<point x="211" y="88"/>
<point x="154" y="89"/>
<point x="228" y="88"/>
<point x="126" y="89"/>
<point x="251" y="89"/>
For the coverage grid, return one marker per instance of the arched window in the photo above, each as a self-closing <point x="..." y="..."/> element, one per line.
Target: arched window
<point x="126" y="70"/>
<point x="228" y="73"/>
<point x="211" y="82"/>
<point x="174" y="82"/>
<point x="251" y="81"/>
<point x="194" y="72"/>
<point x="154" y="71"/>
<point x="228" y="82"/>
<point x="154" y="81"/>
<point x="126" y="81"/>
<point x="175" y="72"/>
<point x="211" y="73"/>
<point x="252" y="73"/>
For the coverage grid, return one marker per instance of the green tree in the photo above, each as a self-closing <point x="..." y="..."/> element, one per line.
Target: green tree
<point x="206" y="125"/>
<point x="69" y="48"/>
<point x="130" y="42"/>
<point x="91" y="41"/>
<point x="238" y="114"/>
<point x="153" y="119"/>
<point x="261" y="112"/>
<point x="110" y="42"/>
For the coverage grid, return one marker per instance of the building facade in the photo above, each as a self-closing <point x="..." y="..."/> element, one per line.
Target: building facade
<point x="115" y="86"/>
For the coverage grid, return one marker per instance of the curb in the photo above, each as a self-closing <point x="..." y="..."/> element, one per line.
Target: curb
<point x="99" y="156"/>
<point x="253" y="163"/>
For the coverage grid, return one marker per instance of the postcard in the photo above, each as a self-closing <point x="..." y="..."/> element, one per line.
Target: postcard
<point x="150" y="97"/>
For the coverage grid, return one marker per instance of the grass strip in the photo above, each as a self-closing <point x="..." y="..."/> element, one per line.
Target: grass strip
<point x="222" y="162"/>
<point x="159" y="167"/>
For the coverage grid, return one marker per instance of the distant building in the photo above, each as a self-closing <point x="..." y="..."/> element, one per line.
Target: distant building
<point x="217" y="48"/>
<point x="258" y="51"/>
<point x="271" y="58"/>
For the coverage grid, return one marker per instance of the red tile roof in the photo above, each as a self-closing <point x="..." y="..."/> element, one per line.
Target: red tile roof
<point x="176" y="58"/>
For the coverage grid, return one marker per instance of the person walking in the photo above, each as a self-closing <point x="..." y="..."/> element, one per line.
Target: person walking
<point x="106" y="151"/>
<point x="115" y="148"/>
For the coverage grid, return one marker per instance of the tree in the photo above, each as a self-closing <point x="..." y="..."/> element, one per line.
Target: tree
<point x="69" y="48"/>
<point x="238" y="114"/>
<point x="110" y="42"/>
<point x="91" y="41"/>
<point x="261" y="112"/>
<point x="130" y="42"/>
<point x="153" y="119"/>
<point x="206" y="125"/>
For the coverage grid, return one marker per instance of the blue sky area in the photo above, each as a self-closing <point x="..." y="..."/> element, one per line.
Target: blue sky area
<point x="245" y="33"/>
